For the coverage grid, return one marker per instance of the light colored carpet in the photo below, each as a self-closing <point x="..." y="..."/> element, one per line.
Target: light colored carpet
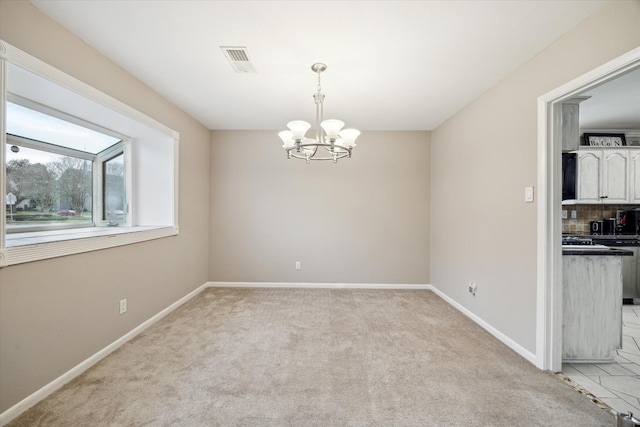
<point x="315" y="357"/>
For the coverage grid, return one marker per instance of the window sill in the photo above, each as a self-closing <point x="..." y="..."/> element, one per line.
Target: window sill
<point x="34" y="246"/>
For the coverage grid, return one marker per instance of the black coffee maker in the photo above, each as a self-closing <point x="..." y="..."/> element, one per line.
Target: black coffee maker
<point x="631" y="221"/>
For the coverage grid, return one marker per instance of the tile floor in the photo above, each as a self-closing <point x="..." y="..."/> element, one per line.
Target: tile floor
<point x="616" y="384"/>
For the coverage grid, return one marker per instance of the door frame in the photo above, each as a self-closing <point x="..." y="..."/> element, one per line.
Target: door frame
<point x="549" y="222"/>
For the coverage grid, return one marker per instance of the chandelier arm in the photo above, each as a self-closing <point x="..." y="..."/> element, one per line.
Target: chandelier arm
<point x="331" y="148"/>
<point x="326" y="145"/>
<point x="340" y="156"/>
<point x="318" y="144"/>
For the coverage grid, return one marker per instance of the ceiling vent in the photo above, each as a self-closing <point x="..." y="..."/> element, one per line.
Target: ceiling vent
<point x="238" y="57"/>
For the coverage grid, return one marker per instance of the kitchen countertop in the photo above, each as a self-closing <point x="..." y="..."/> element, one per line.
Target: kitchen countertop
<point x="604" y="237"/>
<point x="608" y="245"/>
<point x="605" y="251"/>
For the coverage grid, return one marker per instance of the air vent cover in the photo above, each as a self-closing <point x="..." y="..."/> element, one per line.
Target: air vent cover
<point x="238" y="57"/>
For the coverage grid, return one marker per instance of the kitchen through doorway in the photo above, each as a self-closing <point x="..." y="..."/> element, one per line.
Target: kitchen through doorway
<point x="549" y="295"/>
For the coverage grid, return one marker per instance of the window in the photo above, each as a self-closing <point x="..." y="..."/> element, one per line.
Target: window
<point x="52" y="169"/>
<point x="78" y="167"/>
<point x="114" y="190"/>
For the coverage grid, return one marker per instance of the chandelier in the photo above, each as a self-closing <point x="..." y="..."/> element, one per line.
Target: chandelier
<point x="330" y="142"/>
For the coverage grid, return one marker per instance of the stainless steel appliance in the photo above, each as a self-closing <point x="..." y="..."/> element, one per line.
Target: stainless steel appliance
<point x="603" y="227"/>
<point x="596" y="227"/>
<point x="631" y="221"/>
<point x="609" y="226"/>
<point x="568" y="176"/>
<point x="630" y="265"/>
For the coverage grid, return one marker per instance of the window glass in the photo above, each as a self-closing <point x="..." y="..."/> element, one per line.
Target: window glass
<point x="45" y="188"/>
<point x="38" y="126"/>
<point x="114" y="190"/>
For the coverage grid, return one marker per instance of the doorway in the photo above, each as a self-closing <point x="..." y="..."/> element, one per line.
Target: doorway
<point x="549" y="222"/>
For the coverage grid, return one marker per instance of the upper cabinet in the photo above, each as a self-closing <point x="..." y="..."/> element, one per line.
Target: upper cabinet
<point x="634" y="176"/>
<point x="615" y="176"/>
<point x="589" y="177"/>
<point x="608" y="176"/>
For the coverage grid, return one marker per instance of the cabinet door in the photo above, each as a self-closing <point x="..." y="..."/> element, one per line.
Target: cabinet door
<point x="615" y="176"/>
<point x="634" y="176"/>
<point x="588" y="186"/>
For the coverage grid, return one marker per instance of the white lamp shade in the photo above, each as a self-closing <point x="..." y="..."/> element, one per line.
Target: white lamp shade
<point x="287" y="137"/>
<point x="298" y="128"/>
<point x="332" y="127"/>
<point x="348" y="137"/>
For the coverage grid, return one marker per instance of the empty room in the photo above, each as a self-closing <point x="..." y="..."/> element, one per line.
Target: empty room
<point x="174" y="252"/>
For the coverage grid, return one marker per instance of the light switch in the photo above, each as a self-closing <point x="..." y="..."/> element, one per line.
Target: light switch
<point x="528" y="194"/>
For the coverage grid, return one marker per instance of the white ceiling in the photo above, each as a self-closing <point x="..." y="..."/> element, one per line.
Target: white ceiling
<point x="392" y="65"/>
<point x="614" y="105"/>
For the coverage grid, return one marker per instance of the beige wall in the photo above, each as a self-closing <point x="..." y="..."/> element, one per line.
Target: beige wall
<point x="56" y="313"/>
<point x="362" y="220"/>
<point x="484" y="156"/>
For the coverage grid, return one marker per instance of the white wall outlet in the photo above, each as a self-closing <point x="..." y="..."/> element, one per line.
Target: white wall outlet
<point x="528" y="194"/>
<point x="297" y="265"/>
<point x="564" y="214"/>
<point x="472" y="288"/>
<point x="123" y="306"/>
<point x="574" y="214"/>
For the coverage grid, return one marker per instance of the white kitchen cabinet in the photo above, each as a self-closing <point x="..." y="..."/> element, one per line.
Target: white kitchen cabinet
<point x="589" y="179"/>
<point x="630" y="272"/>
<point x="608" y="176"/>
<point x="591" y="308"/>
<point x="634" y="176"/>
<point x="615" y="176"/>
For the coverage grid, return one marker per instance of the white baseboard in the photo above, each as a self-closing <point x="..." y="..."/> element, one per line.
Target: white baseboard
<point x="314" y="285"/>
<point x="493" y="331"/>
<point x="54" y="385"/>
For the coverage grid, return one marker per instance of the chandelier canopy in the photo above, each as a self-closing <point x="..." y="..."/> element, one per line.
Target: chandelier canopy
<point x="330" y="142"/>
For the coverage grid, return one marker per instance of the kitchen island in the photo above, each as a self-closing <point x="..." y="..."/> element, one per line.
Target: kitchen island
<point x="591" y="303"/>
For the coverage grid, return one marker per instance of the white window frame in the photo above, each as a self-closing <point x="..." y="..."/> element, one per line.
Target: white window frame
<point x="138" y="227"/>
<point x="123" y="147"/>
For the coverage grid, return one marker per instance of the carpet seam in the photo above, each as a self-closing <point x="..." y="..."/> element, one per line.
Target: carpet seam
<point x="586" y="393"/>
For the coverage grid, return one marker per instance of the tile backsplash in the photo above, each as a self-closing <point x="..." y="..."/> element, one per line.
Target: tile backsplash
<point x="587" y="213"/>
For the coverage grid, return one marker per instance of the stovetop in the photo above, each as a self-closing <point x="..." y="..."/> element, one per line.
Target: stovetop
<point x="575" y="240"/>
<point x="607" y="240"/>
